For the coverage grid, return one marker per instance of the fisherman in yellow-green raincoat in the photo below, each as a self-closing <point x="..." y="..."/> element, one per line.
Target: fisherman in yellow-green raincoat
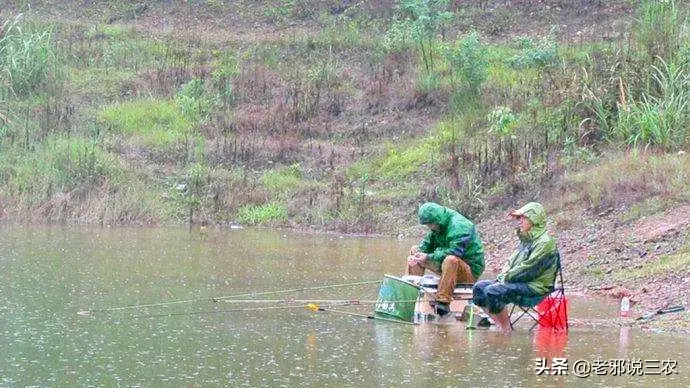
<point x="529" y="272"/>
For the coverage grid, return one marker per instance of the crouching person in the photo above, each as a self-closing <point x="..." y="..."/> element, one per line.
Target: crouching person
<point x="530" y="271"/>
<point x="452" y="248"/>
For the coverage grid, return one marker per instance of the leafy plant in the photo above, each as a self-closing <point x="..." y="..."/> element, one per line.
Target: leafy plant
<point x="194" y="102"/>
<point x="502" y="122"/>
<point x="468" y="60"/>
<point x="535" y="54"/>
<point x="420" y="20"/>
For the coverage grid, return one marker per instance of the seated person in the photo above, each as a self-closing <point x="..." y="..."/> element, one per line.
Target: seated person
<point x="530" y="271"/>
<point x="451" y="248"/>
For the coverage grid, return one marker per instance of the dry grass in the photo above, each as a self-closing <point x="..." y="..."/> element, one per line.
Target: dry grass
<point x="625" y="179"/>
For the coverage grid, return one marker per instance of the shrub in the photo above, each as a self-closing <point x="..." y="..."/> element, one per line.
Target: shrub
<point x="502" y="122"/>
<point x="468" y="60"/>
<point x="419" y="21"/>
<point x="194" y="102"/>
<point x="535" y="54"/>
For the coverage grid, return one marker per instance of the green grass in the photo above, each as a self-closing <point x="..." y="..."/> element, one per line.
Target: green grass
<point x="158" y="122"/>
<point x="261" y="214"/>
<point x="104" y="82"/>
<point x="648" y="207"/>
<point x="282" y="181"/>
<point x="661" y="119"/>
<point x="401" y="163"/>
<point x="60" y="164"/>
<point x="676" y="263"/>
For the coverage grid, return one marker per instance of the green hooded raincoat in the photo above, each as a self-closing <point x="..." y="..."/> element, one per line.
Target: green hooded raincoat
<point x="535" y="262"/>
<point x="458" y="236"/>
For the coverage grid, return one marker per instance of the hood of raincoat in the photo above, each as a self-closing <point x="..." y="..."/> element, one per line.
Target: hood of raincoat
<point x="433" y="213"/>
<point x="536" y="214"/>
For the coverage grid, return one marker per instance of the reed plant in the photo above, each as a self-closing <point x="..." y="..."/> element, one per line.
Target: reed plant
<point x="660" y="24"/>
<point x="27" y="57"/>
<point x="660" y="119"/>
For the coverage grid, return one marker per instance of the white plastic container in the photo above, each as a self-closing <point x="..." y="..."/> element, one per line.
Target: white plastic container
<point x="625" y="307"/>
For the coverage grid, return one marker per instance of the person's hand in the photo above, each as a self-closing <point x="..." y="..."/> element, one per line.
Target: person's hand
<point x="414" y="250"/>
<point x="417" y="259"/>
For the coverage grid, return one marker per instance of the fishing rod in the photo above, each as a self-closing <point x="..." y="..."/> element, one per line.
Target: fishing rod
<point x="313" y="307"/>
<point x="222" y="298"/>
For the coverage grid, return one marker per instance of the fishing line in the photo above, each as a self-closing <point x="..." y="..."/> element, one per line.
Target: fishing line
<point x="222" y="298"/>
<point x="340" y="302"/>
<point x="218" y="311"/>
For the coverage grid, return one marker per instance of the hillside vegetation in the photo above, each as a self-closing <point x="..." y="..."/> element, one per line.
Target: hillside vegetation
<point x="340" y="115"/>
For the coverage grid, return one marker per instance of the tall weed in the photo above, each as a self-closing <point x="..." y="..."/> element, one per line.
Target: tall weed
<point x="661" y="119"/>
<point x="658" y="29"/>
<point x="27" y="57"/>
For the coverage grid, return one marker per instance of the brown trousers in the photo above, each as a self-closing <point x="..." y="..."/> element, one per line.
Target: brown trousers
<point x="453" y="270"/>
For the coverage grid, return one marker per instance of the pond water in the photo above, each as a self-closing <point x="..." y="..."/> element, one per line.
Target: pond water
<point x="49" y="274"/>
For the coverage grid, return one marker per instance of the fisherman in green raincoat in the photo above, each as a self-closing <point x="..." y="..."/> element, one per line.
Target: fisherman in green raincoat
<point x="451" y="248"/>
<point x="530" y="271"/>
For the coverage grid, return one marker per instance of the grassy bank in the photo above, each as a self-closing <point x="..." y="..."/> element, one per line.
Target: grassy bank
<point x="338" y="116"/>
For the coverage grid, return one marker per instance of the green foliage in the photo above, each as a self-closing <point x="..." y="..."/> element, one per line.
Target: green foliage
<point x="575" y="155"/>
<point x="223" y="77"/>
<point x="502" y="122"/>
<point x="261" y="214"/>
<point x="300" y="9"/>
<point x="532" y="54"/>
<point x="158" y="122"/>
<point x="403" y="163"/>
<point x="194" y="102"/>
<point x="60" y="164"/>
<point x="111" y="31"/>
<point x="197" y="179"/>
<point x="341" y="36"/>
<point x="98" y="82"/>
<point x="283" y="180"/>
<point x="419" y="21"/>
<point x="428" y="82"/>
<point x="27" y="57"/>
<point x="468" y="60"/>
